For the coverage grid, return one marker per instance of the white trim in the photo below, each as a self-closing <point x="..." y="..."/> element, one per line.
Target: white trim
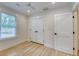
<point x="75" y="6"/>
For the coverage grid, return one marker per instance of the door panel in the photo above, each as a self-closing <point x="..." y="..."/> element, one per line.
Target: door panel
<point x="37" y="29"/>
<point x="64" y="30"/>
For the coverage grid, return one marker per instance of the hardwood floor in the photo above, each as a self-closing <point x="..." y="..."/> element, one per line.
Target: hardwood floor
<point x="78" y="52"/>
<point x="31" y="49"/>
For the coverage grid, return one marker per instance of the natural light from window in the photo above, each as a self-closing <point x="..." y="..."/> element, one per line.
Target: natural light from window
<point x="7" y="26"/>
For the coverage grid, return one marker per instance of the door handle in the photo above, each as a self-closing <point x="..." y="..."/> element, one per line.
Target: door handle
<point x="55" y="33"/>
<point x="36" y="31"/>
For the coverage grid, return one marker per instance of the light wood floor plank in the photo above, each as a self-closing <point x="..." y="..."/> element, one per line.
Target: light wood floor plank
<point x="31" y="49"/>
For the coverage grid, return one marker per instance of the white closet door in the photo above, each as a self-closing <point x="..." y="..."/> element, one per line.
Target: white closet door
<point x="37" y="29"/>
<point x="64" y="32"/>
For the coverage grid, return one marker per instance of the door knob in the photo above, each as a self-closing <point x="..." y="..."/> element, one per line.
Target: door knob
<point x="55" y="33"/>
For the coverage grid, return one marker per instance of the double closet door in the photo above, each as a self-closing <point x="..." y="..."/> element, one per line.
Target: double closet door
<point x="64" y="32"/>
<point x="37" y="30"/>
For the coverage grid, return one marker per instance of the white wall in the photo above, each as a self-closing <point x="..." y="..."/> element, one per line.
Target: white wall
<point x="49" y="30"/>
<point x="22" y="29"/>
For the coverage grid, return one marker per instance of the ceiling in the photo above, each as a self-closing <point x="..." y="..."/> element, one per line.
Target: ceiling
<point x="36" y="7"/>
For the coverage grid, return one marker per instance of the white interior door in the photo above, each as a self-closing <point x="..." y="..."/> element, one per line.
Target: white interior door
<point x="64" y="32"/>
<point x="37" y="28"/>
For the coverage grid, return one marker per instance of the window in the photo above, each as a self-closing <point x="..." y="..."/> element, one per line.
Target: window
<point x="7" y="26"/>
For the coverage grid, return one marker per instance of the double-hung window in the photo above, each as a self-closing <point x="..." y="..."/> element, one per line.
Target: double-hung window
<point x="7" y="26"/>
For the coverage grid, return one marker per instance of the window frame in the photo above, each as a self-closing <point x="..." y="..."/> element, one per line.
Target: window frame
<point x="15" y="28"/>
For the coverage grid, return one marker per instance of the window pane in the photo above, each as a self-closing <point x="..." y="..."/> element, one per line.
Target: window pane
<point x="8" y="26"/>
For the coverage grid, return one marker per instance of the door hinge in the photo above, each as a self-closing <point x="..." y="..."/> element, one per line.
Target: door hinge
<point x="72" y="16"/>
<point x="73" y="32"/>
<point x="73" y="48"/>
